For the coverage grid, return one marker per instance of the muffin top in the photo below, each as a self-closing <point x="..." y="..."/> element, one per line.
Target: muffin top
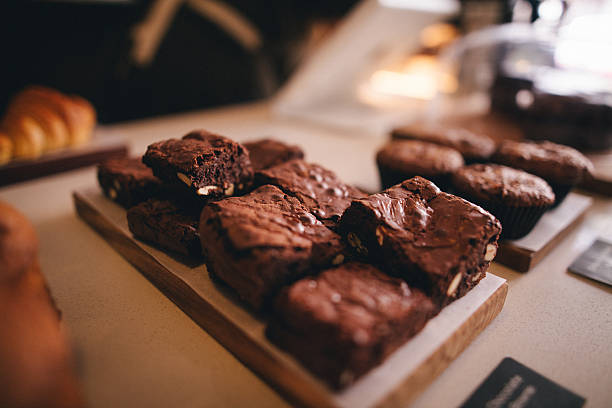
<point x="501" y="184"/>
<point x="551" y="161"/>
<point x="473" y="146"/>
<point x="422" y="158"/>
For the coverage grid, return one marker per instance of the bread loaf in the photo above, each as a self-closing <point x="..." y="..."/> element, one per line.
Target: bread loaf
<point x="18" y="243"/>
<point x="35" y="360"/>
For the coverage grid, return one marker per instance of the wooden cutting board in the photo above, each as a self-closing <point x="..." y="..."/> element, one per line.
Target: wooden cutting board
<point x="525" y="253"/>
<point x="99" y="148"/>
<point x="404" y="375"/>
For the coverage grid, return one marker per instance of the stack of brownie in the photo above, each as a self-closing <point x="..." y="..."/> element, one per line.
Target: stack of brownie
<point x="165" y="190"/>
<point x="344" y="277"/>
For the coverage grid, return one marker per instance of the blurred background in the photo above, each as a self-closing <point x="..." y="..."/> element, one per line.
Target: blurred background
<point x="139" y="58"/>
<point x="544" y="67"/>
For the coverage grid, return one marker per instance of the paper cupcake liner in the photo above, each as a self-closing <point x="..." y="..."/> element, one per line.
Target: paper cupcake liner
<point x="561" y="191"/>
<point x="516" y="221"/>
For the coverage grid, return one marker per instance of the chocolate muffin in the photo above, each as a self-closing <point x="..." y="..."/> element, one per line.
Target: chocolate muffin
<point x="475" y="147"/>
<point x="561" y="166"/>
<point x="400" y="160"/>
<point x="518" y="199"/>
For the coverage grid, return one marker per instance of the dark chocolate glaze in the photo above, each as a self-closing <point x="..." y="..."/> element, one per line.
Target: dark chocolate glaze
<point x="166" y="224"/>
<point x="258" y="242"/>
<point x="317" y="188"/>
<point x="205" y="160"/>
<point x="473" y="146"/>
<point x="501" y="184"/>
<point x="346" y="320"/>
<point x="424" y="235"/>
<point x="127" y="181"/>
<point x="266" y="153"/>
<point x="553" y="162"/>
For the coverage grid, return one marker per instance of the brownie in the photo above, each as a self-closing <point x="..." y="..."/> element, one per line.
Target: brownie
<point x="263" y="240"/>
<point x="266" y="153"/>
<point x="475" y="147"/>
<point x="438" y="242"/>
<point x="317" y="188"/>
<point x="399" y="160"/>
<point x="561" y="166"/>
<point x="347" y="320"/>
<point x="167" y="224"/>
<point x="127" y="181"/>
<point x="211" y="166"/>
<point x="518" y="199"/>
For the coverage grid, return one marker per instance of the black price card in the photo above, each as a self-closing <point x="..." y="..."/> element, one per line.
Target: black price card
<point x="595" y="263"/>
<point x="512" y="385"/>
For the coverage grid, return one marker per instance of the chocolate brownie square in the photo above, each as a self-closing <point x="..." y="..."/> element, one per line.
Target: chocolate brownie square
<point x="347" y="320"/>
<point x="211" y="166"/>
<point x="264" y="240"/>
<point x="266" y="153"/>
<point x="167" y="224"/>
<point x="127" y="181"/>
<point x="436" y="241"/>
<point x="317" y="188"/>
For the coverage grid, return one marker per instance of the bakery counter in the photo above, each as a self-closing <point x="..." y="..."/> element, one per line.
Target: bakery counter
<point x="134" y="347"/>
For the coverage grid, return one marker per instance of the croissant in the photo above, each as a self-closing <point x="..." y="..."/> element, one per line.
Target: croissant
<point x="50" y="121"/>
<point x="26" y="134"/>
<point x="6" y="148"/>
<point x="39" y="119"/>
<point x="78" y="114"/>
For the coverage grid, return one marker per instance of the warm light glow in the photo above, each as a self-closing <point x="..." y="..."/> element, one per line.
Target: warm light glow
<point x="416" y="85"/>
<point x="438" y="35"/>
<point x="420" y="78"/>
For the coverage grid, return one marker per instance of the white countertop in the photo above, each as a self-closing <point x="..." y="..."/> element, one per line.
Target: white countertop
<point x="136" y="348"/>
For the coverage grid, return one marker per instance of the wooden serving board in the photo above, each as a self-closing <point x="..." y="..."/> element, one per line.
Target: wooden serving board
<point x="405" y="374"/>
<point x="99" y="148"/>
<point x="525" y="253"/>
<point x="601" y="182"/>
